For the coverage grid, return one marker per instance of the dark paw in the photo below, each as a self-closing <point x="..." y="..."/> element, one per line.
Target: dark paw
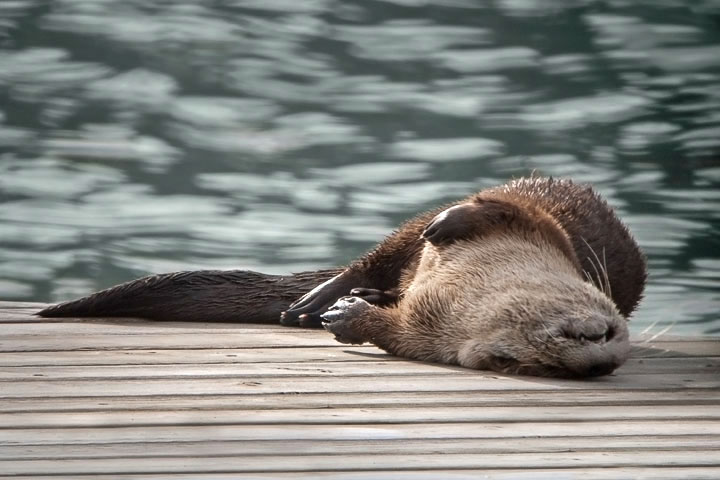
<point x="449" y="225"/>
<point x="306" y="311"/>
<point x="374" y="296"/>
<point x="338" y="320"/>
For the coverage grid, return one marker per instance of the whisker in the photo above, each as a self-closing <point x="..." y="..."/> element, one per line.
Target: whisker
<point x="601" y="279"/>
<point x="662" y="332"/>
<point x="649" y="327"/>
<point x="605" y="271"/>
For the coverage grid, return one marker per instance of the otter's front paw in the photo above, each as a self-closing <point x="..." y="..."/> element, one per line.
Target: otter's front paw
<point x="343" y="317"/>
<point x="374" y="296"/>
<point x="306" y="311"/>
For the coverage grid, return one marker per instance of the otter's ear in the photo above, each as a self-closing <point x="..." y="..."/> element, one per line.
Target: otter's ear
<point x="468" y="220"/>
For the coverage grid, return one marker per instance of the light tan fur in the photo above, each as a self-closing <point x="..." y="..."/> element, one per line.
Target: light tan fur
<point x="506" y="302"/>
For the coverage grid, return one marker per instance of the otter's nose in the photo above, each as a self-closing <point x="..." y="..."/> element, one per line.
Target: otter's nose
<point x="594" y="329"/>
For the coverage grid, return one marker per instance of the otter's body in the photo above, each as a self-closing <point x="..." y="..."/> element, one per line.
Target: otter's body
<point x="498" y="286"/>
<point x="473" y="283"/>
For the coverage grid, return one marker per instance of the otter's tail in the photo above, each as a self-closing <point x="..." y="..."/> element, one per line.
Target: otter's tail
<point x="204" y="295"/>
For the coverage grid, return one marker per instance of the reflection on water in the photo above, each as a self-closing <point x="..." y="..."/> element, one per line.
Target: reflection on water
<point x="146" y="136"/>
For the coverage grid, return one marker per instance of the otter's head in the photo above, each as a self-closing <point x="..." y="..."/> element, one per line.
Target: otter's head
<point x="567" y="328"/>
<point x="525" y="303"/>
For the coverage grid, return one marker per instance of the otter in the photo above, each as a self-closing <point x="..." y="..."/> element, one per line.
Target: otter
<point x="537" y="276"/>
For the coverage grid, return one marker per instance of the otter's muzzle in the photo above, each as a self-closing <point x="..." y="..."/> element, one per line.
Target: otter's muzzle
<point x="599" y="346"/>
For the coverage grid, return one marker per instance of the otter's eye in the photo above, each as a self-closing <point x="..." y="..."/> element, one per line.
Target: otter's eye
<point x="609" y="334"/>
<point x="502" y="361"/>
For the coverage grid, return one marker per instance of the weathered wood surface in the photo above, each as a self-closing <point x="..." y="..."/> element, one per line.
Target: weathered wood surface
<point x="129" y="399"/>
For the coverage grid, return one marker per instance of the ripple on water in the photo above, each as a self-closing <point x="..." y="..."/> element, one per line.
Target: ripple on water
<point x="706" y="201"/>
<point x="404" y="199"/>
<point x="40" y="266"/>
<point x="276" y="227"/>
<point x="284" y="6"/>
<point x="562" y="165"/>
<point x="538" y="8"/>
<point x="33" y="73"/>
<point x="710" y="174"/>
<point x="54" y="178"/>
<point x="135" y="88"/>
<point x="489" y="59"/>
<point x="70" y="287"/>
<point x="675" y="308"/>
<point x="285" y="133"/>
<point x="446" y="149"/>
<point x="579" y="112"/>
<point x="117" y="212"/>
<point x="222" y="111"/>
<point x="634" y="34"/>
<point x="567" y="64"/>
<point x="629" y="41"/>
<point x="318" y="128"/>
<point x="371" y="173"/>
<point x="406" y="40"/>
<point x="307" y="193"/>
<point x="636" y="138"/>
<point x="15" y="137"/>
<point x="463" y="97"/>
<point x="700" y="141"/>
<point x="684" y="59"/>
<point x="127" y="23"/>
<point x="663" y="236"/>
<point x="111" y="142"/>
<point x="16" y="289"/>
<point x="464" y="4"/>
<point x="372" y="93"/>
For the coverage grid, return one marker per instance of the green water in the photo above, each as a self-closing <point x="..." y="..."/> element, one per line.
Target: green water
<point x="144" y="136"/>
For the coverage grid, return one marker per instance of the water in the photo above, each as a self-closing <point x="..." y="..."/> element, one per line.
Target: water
<point x="280" y="135"/>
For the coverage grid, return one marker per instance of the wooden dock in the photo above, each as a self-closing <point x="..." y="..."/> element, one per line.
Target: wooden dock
<point x="130" y="399"/>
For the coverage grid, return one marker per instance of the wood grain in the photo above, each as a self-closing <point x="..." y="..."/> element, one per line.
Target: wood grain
<point x="130" y="399"/>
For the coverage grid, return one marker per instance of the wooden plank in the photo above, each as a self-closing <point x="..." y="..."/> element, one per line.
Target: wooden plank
<point x="378" y="447"/>
<point x="706" y="347"/>
<point x="195" y="356"/>
<point x="478" y="381"/>
<point x="477" y="398"/>
<point x="365" y="432"/>
<point x="28" y="323"/>
<point x="604" y="473"/>
<point x="387" y="367"/>
<point x="250" y="386"/>
<point x="359" y="416"/>
<point x="654" y="365"/>
<point x="269" y="370"/>
<point x="302" y="463"/>
<point x="134" y="326"/>
<point x="263" y="370"/>
<point x="257" y="337"/>
<point x="298" y="356"/>
<point x="142" y="341"/>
